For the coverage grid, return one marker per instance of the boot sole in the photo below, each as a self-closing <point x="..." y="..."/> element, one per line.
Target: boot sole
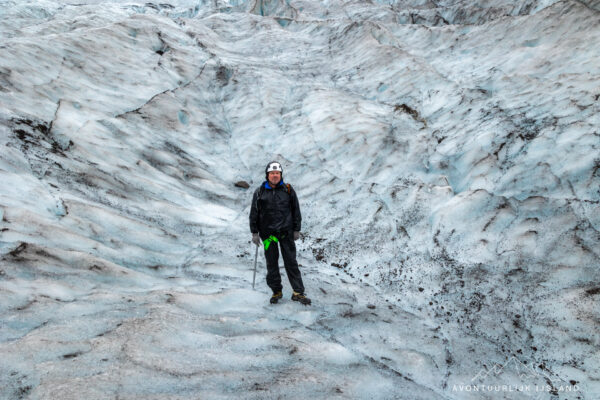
<point x="305" y="303"/>
<point x="275" y="300"/>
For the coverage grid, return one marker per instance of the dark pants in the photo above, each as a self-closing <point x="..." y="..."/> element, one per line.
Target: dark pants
<point x="288" y="251"/>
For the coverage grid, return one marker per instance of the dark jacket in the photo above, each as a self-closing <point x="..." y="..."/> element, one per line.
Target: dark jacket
<point x="274" y="210"/>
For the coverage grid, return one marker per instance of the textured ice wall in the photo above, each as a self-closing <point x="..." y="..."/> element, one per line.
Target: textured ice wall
<point x="446" y="153"/>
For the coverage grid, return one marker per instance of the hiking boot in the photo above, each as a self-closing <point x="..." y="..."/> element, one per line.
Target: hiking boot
<point x="301" y="298"/>
<point x="276" y="296"/>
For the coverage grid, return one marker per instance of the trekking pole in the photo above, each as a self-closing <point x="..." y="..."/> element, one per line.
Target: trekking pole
<point x="254" y="277"/>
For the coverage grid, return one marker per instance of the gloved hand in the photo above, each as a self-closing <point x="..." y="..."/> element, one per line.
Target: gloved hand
<point x="296" y="235"/>
<point x="255" y="239"/>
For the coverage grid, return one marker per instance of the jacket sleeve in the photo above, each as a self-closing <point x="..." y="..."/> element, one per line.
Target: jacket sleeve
<point x="254" y="213"/>
<point x="296" y="215"/>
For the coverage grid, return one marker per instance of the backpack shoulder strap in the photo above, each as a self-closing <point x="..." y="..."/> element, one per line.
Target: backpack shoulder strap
<point x="289" y="188"/>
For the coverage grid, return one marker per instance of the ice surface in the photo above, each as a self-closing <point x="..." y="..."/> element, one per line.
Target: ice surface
<point x="446" y="159"/>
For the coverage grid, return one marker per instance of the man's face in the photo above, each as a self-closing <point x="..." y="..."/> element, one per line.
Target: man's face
<point x="274" y="178"/>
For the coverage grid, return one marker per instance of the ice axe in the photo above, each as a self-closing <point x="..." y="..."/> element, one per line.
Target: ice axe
<point x="255" y="257"/>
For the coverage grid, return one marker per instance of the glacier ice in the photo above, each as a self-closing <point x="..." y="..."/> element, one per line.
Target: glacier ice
<point x="446" y="157"/>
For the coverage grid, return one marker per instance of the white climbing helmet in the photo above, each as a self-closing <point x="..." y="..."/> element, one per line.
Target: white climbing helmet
<point x="273" y="166"/>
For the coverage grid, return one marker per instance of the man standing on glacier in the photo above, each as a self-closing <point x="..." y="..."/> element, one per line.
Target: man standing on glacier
<point x="275" y="220"/>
